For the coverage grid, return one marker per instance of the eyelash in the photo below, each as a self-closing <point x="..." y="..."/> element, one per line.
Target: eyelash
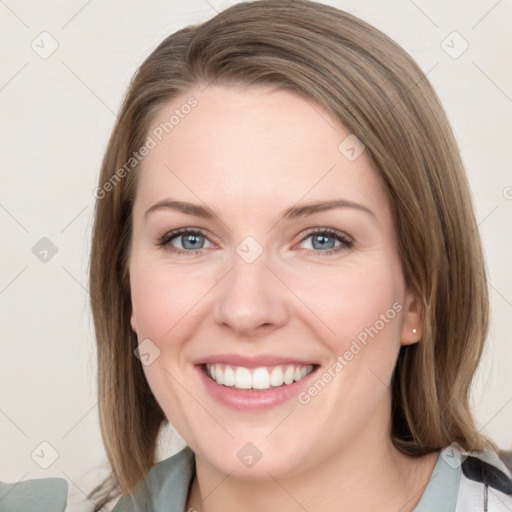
<point x="346" y="243"/>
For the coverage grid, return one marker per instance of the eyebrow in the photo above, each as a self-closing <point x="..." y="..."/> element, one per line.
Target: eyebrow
<point x="290" y="213"/>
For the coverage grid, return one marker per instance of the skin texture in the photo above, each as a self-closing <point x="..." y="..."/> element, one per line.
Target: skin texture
<point x="248" y="154"/>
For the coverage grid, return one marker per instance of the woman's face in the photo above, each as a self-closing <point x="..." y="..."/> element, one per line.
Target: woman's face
<point x="291" y="271"/>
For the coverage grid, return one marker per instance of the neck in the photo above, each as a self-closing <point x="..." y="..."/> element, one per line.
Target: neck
<point x="370" y="475"/>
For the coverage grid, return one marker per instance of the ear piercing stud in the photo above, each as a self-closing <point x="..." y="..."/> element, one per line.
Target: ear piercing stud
<point x="414" y="331"/>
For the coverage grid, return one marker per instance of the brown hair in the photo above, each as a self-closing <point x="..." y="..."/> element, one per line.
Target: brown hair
<point x="374" y="88"/>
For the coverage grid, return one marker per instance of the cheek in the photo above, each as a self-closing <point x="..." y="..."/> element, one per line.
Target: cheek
<point x="356" y="298"/>
<point x="360" y="306"/>
<point x="165" y="304"/>
<point x="164" y="300"/>
<point x="362" y="309"/>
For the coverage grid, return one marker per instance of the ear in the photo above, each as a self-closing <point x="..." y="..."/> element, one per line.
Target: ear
<point x="133" y="322"/>
<point x="412" y="324"/>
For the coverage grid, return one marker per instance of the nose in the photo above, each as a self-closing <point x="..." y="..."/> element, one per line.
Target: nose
<point x="250" y="300"/>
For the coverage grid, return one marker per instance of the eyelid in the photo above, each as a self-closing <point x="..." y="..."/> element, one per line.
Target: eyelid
<point x="331" y="231"/>
<point x="346" y="241"/>
<point x="164" y="241"/>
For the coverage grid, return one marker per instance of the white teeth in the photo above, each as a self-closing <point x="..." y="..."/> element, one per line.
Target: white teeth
<point x="276" y="377"/>
<point x="219" y="374"/>
<point x="229" y="376"/>
<point x="242" y="378"/>
<point x="288" y="375"/>
<point x="260" y="379"/>
<point x="257" y="378"/>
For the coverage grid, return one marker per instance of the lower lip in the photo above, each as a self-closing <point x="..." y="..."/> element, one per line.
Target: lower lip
<point x="254" y="400"/>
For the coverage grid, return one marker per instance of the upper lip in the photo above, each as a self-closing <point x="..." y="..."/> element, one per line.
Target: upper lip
<point x="253" y="361"/>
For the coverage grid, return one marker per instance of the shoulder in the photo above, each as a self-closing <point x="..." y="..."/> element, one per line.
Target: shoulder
<point x="42" y="494"/>
<point x="467" y="482"/>
<point x="485" y="483"/>
<point x="165" y="488"/>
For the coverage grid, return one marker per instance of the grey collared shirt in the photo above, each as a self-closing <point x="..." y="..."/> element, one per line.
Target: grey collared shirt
<point x="459" y="483"/>
<point x="168" y="484"/>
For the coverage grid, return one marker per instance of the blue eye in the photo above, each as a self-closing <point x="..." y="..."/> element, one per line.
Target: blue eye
<point x="324" y="242"/>
<point x="192" y="241"/>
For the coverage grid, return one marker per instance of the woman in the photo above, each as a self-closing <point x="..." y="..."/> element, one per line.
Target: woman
<point x="286" y="267"/>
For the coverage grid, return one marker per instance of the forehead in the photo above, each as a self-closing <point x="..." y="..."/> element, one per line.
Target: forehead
<point x="241" y="146"/>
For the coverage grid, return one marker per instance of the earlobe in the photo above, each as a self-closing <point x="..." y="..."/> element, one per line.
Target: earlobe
<point x="412" y="323"/>
<point x="132" y="322"/>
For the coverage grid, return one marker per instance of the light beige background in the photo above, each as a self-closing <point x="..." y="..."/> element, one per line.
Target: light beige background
<point x="56" y="115"/>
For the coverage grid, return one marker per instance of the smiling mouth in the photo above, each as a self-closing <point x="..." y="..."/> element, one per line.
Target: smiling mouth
<point x="257" y="379"/>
